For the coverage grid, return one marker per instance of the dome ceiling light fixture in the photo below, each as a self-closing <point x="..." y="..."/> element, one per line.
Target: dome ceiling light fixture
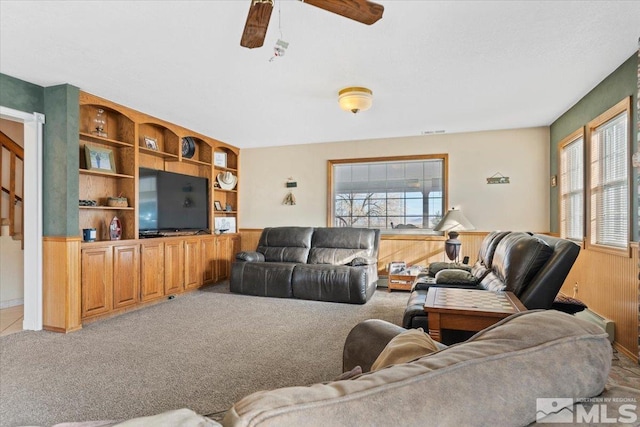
<point x="355" y="99"/>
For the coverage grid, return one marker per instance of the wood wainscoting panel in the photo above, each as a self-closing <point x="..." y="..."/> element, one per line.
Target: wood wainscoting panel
<point x="249" y="238"/>
<point x="61" y="284"/>
<point x="608" y="285"/>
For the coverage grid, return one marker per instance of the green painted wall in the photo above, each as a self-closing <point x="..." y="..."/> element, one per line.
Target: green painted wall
<point x="21" y="95"/>
<point x="60" y="148"/>
<point x="623" y="82"/>
<point x="61" y="160"/>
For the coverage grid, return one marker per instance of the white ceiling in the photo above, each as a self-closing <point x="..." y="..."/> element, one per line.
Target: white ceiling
<point x="432" y="65"/>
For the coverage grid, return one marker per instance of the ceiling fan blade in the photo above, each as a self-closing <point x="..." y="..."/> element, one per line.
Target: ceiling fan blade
<point x="363" y="11"/>
<point x="255" y="29"/>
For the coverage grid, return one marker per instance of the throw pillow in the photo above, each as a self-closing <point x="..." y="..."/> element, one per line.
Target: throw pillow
<point x="568" y="304"/>
<point x="405" y="347"/>
<point x="455" y="277"/>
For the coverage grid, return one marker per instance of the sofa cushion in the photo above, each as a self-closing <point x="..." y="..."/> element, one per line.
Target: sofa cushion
<point x="334" y="256"/>
<point x="503" y="368"/>
<point x="492" y="283"/>
<point x="518" y="257"/>
<point x="347" y="238"/>
<point x="265" y="279"/>
<point x="479" y="271"/>
<point x="488" y="247"/>
<point x="405" y="347"/>
<point x="336" y="283"/>
<point x="285" y="244"/>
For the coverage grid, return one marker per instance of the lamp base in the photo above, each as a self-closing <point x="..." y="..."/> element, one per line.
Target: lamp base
<point x="452" y="246"/>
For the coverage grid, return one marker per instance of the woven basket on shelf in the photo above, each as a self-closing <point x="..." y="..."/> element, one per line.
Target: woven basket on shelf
<point x="117" y="202"/>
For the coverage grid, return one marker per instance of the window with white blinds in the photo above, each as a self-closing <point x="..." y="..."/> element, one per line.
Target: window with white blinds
<point x="572" y="187"/>
<point x="609" y="179"/>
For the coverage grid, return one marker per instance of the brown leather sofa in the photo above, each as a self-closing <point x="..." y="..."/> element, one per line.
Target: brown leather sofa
<point x="322" y="264"/>
<point x="532" y="266"/>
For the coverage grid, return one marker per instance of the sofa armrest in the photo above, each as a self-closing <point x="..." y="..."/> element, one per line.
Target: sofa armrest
<point x="363" y="260"/>
<point x="365" y="342"/>
<point x="250" y="256"/>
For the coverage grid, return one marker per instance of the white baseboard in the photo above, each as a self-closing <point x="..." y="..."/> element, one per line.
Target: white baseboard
<point x="11" y="303"/>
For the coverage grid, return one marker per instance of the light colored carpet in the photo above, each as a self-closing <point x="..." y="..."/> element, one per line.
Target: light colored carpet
<point x="204" y="350"/>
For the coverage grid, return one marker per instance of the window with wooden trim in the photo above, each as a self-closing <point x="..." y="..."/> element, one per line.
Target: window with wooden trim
<point x="609" y="196"/>
<point x="571" y="182"/>
<point x="401" y="193"/>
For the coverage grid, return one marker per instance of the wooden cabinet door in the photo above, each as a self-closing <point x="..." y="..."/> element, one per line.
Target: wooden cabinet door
<point x="227" y="247"/>
<point x="208" y="253"/>
<point x="222" y="255"/>
<point x="192" y="263"/>
<point x="96" y="280"/>
<point x="126" y="275"/>
<point x="173" y="267"/>
<point x="151" y="271"/>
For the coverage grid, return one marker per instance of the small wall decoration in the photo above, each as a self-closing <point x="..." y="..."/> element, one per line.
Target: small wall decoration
<point x="498" y="178"/>
<point x="554" y="180"/>
<point x="100" y="159"/>
<point x="151" y="143"/>
<point x="289" y="199"/>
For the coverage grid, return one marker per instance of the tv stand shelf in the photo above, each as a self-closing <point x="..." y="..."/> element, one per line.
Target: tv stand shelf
<point x="120" y="275"/>
<point x="157" y="153"/>
<point x="102" y="140"/>
<point x="112" y="208"/>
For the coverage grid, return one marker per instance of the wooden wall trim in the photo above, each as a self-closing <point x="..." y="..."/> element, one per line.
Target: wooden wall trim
<point x="61" y="299"/>
<point x="608" y="285"/>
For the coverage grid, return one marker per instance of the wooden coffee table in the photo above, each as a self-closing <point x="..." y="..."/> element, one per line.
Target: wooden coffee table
<point x="467" y="309"/>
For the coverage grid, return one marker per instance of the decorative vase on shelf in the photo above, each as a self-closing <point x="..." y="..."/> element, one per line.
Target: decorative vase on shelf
<point x="115" y="229"/>
<point x="99" y="123"/>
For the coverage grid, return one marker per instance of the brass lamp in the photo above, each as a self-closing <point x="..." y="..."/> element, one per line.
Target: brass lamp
<point x="453" y="222"/>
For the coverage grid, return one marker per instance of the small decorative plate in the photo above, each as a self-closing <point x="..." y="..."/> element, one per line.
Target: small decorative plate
<point x="188" y="147"/>
<point x="115" y="229"/>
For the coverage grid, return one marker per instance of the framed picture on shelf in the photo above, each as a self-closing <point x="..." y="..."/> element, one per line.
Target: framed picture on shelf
<point x="396" y="267"/>
<point x="151" y="143"/>
<point x="220" y="159"/>
<point x="99" y="159"/>
<point x="217" y="205"/>
<point x="225" y="225"/>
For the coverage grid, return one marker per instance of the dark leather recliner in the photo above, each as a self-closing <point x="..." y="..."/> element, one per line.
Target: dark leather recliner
<point x="532" y="266"/>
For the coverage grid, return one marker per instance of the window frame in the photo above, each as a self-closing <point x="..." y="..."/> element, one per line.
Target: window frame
<point x="621" y="107"/>
<point x="568" y="140"/>
<point x="418" y="157"/>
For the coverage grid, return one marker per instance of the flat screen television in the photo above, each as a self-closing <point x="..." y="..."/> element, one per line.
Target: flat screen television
<point x="171" y="201"/>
